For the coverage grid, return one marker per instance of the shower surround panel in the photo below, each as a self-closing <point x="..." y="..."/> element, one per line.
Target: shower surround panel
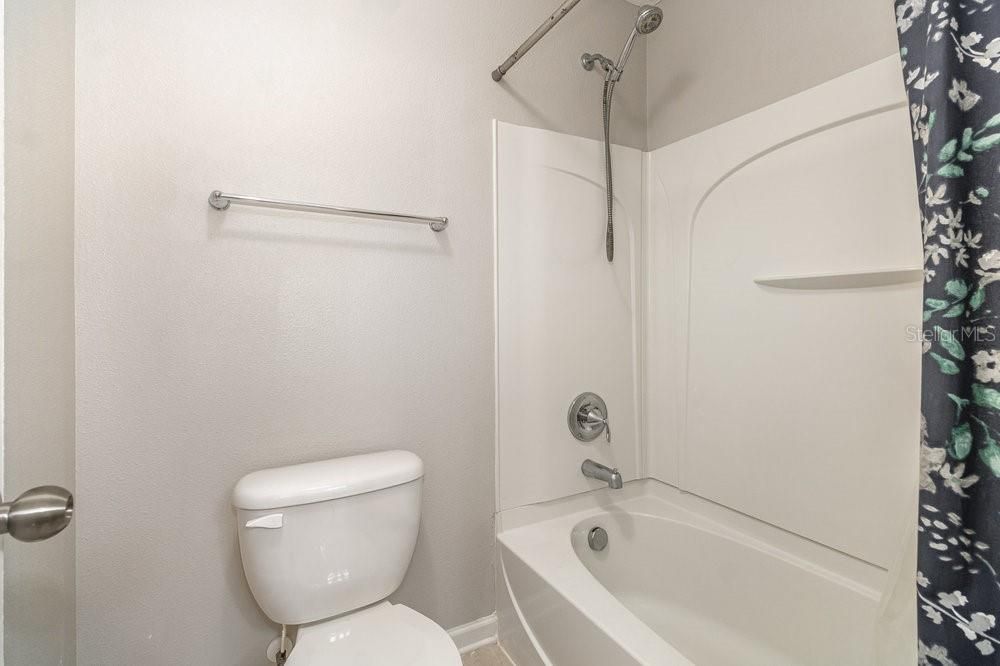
<point x="567" y="319"/>
<point x="796" y="402"/>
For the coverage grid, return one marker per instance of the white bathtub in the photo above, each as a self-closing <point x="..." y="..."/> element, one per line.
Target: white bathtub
<point x="682" y="581"/>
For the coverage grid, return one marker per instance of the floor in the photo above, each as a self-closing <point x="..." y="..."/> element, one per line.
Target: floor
<point x="491" y="655"/>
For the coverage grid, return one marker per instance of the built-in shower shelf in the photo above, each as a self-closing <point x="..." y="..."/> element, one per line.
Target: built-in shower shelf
<point x="852" y="280"/>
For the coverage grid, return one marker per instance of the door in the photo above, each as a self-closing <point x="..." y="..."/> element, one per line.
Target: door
<point x="38" y="334"/>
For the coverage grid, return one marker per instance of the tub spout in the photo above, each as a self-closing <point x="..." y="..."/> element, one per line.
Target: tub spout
<point x="595" y="470"/>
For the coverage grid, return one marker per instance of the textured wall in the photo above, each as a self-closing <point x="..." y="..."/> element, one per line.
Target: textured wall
<point x="715" y="60"/>
<point x="38" y="586"/>
<point x="213" y="344"/>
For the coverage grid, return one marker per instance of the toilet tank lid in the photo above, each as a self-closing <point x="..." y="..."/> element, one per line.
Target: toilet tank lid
<point x="326" y="480"/>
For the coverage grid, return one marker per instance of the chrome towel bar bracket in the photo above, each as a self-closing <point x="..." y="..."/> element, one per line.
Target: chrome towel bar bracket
<point x="222" y="200"/>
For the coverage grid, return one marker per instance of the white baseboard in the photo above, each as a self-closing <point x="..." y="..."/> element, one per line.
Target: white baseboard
<point x="475" y="634"/>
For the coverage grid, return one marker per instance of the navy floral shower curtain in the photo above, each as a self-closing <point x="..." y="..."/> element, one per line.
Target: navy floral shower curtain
<point x="951" y="67"/>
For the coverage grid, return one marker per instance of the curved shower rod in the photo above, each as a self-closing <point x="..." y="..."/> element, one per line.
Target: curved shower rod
<point x="546" y="25"/>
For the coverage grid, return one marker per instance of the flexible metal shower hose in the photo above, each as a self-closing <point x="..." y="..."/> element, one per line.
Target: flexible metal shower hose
<point x="609" y="239"/>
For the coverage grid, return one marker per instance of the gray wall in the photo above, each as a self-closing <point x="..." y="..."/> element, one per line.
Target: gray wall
<point x="213" y="344"/>
<point x="715" y="60"/>
<point x="38" y="585"/>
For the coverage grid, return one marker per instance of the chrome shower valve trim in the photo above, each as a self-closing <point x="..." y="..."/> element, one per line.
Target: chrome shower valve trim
<point x="588" y="418"/>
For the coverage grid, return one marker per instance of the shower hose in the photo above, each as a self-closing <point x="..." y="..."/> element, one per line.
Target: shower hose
<point x="609" y="239"/>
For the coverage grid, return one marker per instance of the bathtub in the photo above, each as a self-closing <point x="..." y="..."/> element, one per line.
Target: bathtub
<point x="682" y="581"/>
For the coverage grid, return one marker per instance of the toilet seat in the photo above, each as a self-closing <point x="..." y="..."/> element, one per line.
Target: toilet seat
<point x="381" y="635"/>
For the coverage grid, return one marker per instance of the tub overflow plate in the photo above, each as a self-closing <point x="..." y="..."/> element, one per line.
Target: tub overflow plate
<point x="598" y="539"/>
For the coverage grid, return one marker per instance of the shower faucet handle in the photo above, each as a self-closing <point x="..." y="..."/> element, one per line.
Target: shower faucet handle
<point x="596" y="419"/>
<point x="588" y="418"/>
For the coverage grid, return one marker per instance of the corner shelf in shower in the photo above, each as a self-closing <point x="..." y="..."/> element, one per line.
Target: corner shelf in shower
<point x="851" y="280"/>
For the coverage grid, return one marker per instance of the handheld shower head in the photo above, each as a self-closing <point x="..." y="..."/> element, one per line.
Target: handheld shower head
<point x="648" y="20"/>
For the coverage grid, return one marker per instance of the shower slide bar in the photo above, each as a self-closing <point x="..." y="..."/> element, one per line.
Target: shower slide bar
<point x="546" y="25"/>
<point x="222" y="200"/>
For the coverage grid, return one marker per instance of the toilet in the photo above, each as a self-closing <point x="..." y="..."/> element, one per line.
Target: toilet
<point x="324" y="544"/>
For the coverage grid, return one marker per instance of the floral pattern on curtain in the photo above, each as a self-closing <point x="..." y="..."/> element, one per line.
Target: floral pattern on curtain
<point x="951" y="66"/>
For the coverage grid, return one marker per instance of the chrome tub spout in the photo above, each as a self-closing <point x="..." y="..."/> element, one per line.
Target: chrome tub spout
<point x="595" y="470"/>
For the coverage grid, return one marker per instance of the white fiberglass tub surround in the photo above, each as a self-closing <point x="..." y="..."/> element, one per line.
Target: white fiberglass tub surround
<point x="682" y="581"/>
<point x="763" y="367"/>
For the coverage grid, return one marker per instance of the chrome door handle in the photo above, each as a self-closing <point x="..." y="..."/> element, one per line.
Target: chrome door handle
<point x="37" y="514"/>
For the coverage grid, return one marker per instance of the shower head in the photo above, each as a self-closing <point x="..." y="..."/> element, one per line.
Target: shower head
<point x="648" y="20"/>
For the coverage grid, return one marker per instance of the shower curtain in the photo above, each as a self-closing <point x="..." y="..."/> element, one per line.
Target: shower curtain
<point x="951" y="67"/>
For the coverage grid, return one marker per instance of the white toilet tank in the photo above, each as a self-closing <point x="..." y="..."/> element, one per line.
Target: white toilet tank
<point x="326" y="538"/>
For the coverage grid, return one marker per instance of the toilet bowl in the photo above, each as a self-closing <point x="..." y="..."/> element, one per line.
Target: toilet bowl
<point x="323" y="544"/>
<point x="382" y="635"/>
